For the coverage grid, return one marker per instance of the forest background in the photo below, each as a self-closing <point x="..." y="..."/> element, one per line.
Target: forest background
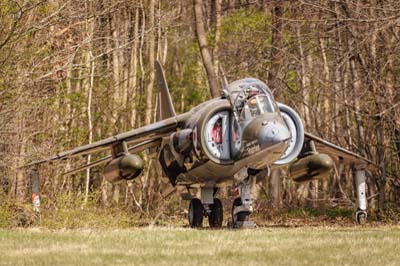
<point x="74" y="72"/>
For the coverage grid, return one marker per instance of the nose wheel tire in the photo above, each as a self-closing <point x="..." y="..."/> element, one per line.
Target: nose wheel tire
<point x="216" y="216"/>
<point x="239" y="217"/>
<point x="195" y="213"/>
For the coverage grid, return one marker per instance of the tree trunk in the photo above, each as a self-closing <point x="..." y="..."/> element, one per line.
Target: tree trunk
<point x="131" y="97"/>
<point x="381" y="161"/>
<point x="276" y="45"/>
<point x="327" y="110"/>
<point x="274" y="188"/>
<point x="305" y="81"/>
<point x="204" y="50"/>
<point x="141" y="63"/>
<point x="116" y="67"/>
<point x="356" y="100"/>
<point x="275" y="182"/>
<point x="217" y="33"/>
<point x="90" y="66"/>
<point x="150" y="84"/>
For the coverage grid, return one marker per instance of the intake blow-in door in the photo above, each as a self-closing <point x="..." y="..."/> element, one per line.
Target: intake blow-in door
<point x="236" y="137"/>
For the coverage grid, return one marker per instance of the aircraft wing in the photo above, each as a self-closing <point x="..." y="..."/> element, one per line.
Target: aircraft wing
<point x="338" y="153"/>
<point x="139" y="139"/>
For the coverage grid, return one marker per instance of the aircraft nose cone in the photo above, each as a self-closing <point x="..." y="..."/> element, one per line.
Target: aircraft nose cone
<point x="273" y="133"/>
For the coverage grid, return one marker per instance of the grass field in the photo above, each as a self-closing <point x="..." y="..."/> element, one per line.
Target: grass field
<point x="182" y="246"/>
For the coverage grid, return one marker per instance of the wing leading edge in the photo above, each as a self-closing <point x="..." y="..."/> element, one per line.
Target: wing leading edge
<point x="147" y="134"/>
<point x="338" y="153"/>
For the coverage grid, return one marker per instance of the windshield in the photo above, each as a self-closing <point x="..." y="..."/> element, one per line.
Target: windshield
<point x="257" y="105"/>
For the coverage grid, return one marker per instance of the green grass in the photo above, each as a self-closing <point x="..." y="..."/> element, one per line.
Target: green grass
<point x="182" y="246"/>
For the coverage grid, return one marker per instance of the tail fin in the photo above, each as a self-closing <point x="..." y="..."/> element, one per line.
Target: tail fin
<point x="165" y="108"/>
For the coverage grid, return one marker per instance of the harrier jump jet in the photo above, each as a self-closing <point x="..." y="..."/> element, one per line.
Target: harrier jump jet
<point x="222" y="142"/>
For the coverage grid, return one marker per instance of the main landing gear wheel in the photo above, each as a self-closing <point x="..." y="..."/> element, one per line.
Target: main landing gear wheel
<point x="195" y="213"/>
<point x="240" y="217"/>
<point x="216" y="216"/>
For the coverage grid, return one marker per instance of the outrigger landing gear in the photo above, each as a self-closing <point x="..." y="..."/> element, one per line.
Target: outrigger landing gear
<point x="361" y="217"/>
<point x="360" y="181"/>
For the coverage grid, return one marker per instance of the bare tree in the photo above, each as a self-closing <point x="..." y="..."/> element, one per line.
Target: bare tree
<point x="215" y="90"/>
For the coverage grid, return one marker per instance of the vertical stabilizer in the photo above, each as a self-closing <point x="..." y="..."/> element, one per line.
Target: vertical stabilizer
<point x="165" y="108"/>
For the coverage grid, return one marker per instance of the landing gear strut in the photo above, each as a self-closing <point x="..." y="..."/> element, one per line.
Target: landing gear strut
<point x="243" y="204"/>
<point x="360" y="182"/>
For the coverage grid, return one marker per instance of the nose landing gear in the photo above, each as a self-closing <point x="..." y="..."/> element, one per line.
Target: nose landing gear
<point x="242" y="206"/>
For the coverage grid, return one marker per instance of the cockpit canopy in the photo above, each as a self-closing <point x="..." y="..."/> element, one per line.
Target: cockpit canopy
<point x="250" y="98"/>
<point x="257" y="105"/>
